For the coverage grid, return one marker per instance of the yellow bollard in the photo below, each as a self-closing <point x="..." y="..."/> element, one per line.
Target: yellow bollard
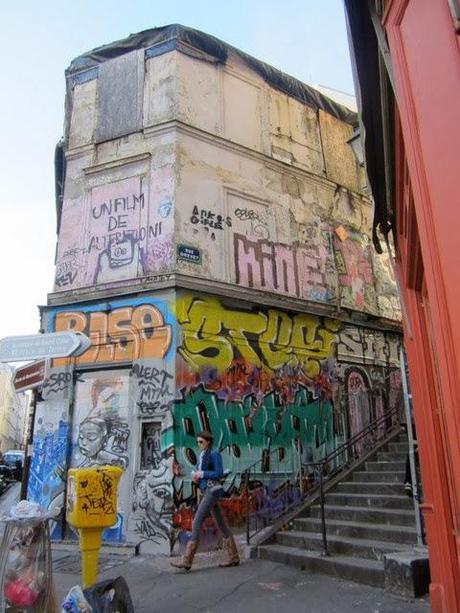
<point x="91" y="507"/>
<point x="90" y="543"/>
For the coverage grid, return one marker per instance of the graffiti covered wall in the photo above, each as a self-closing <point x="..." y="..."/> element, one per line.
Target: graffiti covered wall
<point x="115" y="232"/>
<point x="278" y="230"/>
<point x="50" y="443"/>
<point x="266" y="382"/>
<point x="113" y="413"/>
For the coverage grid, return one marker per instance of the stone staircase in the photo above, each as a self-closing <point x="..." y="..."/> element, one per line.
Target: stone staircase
<point x="368" y="515"/>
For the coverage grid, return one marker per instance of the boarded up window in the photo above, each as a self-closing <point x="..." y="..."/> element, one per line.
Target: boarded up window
<point x="150" y="445"/>
<point x="120" y="93"/>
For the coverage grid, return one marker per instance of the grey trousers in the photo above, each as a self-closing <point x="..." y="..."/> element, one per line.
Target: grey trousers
<point x="209" y="505"/>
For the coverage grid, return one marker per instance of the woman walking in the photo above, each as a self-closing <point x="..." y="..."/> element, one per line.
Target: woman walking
<point x="210" y="472"/>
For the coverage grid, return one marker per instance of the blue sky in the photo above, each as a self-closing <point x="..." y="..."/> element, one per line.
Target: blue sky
<point x="306" y="39"/>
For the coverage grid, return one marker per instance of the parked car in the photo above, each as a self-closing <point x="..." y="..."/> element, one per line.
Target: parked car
<point x="12" y="464"/>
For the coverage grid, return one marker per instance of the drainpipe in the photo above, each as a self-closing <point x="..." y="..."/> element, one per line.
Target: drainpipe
<point x="412" y="443"/>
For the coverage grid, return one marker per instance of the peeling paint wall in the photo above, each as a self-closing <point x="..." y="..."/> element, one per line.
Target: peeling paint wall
<point x="222" y="163"/>
<point x="279" y="233"/>
<point x="119" y="224"/>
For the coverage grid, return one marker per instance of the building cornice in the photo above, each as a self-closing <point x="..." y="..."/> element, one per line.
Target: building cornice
<point x="216" y="140"/>
<point x="221" y="289"/>
<point x="111" y="164"/>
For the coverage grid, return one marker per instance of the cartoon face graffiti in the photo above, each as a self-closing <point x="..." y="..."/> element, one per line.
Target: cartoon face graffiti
<point x="92" y="437"/>
<point x="153" y="505"/>
<point x="103" y="441"/>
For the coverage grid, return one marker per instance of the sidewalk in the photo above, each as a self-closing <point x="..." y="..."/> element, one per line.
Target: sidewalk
<point x="255" y="585"/>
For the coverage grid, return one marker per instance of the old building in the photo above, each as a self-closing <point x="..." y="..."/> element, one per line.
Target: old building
<point x="13" y="410"/>
<point x="214" y="243"/>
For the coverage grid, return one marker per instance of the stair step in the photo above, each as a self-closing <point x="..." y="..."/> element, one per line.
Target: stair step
<point x="363" y="514"/>
<point x="366" y="571"/>
<point x="389" y="476"/>
<point x="399" y="447"/>
<point x="342" y="545"/>
<point x="385" y="466"/>
<point x="386" y="501"/>
<point x="388" y="456"/>
<point x="368" y="487"/>
<point x="366" y="530"/>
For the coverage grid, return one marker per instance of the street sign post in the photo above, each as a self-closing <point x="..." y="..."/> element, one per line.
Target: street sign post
<point x="43" y="346"/>
<point x="30" y="376"/>
<point x="38" y="347"/>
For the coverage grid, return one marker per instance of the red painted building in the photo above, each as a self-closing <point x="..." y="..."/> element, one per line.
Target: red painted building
<point x="407" y="71"/>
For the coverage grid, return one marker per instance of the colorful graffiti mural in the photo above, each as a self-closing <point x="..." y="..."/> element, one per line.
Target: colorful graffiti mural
<point x="243" y="434"/>
<point x="46" y="482"/>
<point x="275" y="388"/>
<point x="324" y="266"/>
<point x="214" y="336"/>
<point x="119" y="332"/>
<point x="267" y="382"/>
<point x="51" y="430"/>
<point x="261" y="382"/>
<point x="101" y="431"/>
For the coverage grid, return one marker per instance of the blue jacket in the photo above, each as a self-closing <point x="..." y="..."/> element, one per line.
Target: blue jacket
<point x="212" y="468"/>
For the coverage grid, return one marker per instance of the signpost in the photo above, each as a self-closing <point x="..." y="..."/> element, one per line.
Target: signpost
<point x="42" y="346"/>
<point x="38" y="347"/>
<point x="29" y="376"/>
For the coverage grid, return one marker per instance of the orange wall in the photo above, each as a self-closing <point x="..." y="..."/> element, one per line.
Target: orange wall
<point x="425" y="58"/>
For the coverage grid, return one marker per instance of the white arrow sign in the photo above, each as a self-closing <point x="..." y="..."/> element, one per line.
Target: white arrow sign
<point x="43" y="346"/>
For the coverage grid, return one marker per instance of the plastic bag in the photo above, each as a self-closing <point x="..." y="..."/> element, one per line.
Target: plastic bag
<point x="25" y="561"/>
<point x="75" y="602"/>
<point x="110" y="596"/>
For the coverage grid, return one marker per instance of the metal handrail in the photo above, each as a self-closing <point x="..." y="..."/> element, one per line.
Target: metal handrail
<point x="294" y="485"/>
<point x="364" y="432"/>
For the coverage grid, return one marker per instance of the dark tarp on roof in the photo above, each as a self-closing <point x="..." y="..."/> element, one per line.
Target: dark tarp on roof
<point x="190" y="41"/>
<point x="366" y="67"/>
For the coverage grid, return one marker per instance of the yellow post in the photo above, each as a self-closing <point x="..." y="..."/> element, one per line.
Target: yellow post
<point x="91" y="507"/>
<point x="90" y="543"/>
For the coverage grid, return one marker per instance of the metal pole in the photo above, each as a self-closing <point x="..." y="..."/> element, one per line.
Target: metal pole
<point x="407" y="397"/>
<point x="323" y="518"/>
<point x="29" y="447"/>
<point x="247" y="506"/>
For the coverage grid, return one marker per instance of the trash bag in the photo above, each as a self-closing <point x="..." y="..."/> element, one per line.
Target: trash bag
<point x="75" y="602"/>
<point x="25" y="561"/>
<point x="111" y="596"/>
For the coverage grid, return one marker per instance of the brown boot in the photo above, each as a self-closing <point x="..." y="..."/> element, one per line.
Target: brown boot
<point x="187" y="559"/>
<point x="233" y="558"/>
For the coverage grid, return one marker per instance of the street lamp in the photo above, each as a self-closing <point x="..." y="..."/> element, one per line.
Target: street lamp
<point x="356" y="144"/>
